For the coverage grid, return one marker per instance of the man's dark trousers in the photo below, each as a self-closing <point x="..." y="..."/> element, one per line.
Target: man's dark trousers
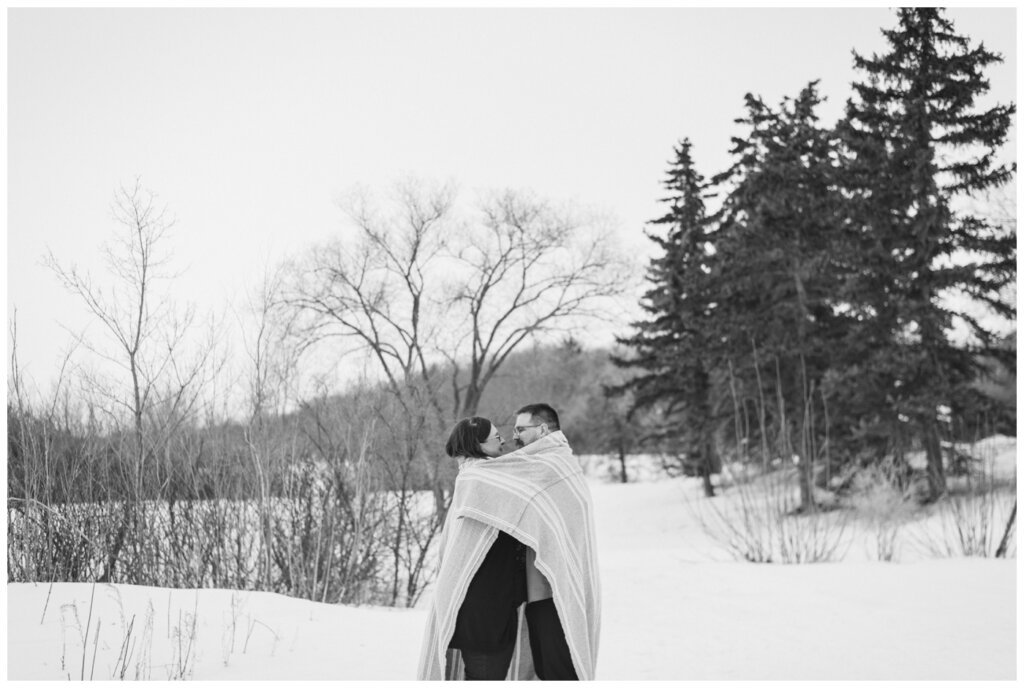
<point x="551" y="657"/>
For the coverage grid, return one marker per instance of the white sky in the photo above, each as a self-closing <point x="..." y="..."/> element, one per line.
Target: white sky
<point x="248" y="123"/>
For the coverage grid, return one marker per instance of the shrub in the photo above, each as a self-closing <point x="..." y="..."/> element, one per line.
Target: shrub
<point x="757" y="520"/>
<point x="883" y="501"/>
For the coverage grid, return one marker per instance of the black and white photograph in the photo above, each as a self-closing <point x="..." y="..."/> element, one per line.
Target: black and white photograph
<point x="540" y="342"/>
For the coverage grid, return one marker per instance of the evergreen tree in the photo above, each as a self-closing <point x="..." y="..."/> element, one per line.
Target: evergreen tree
<point x="670" y="347"/>
<point x="917" y="142"/>
<point x="775" y="278"/>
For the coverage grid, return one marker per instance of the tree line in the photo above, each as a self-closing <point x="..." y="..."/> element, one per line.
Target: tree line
<point x="808" y="316"/>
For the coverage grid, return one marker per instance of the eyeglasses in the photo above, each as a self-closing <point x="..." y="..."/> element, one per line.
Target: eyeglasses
<point x="518" y="430"/>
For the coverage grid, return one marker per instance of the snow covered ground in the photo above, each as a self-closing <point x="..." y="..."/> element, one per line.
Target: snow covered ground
<point x="676" y="607"/>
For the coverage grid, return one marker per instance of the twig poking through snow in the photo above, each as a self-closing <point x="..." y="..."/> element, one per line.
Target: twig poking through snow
<point x="85" y="636"/>
<point x="47" y="604"/>
<point x="95" y="646"/>
<point x="1001" y="550"/>
<point x="124" y="655"/>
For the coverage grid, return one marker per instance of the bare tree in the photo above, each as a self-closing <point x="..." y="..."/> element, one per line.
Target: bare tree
<point x="380" y="293"/>
<point x="528" y="268"/>
<point x="423" y="284"/>
<point x="373" y="291"/>
<point x="271" y="370"/>
<point x="127" y="310"/>
<point x="149" y="336"/>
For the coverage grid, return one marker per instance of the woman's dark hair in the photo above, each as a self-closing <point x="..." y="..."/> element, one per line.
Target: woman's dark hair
<point x="466" y="437"/>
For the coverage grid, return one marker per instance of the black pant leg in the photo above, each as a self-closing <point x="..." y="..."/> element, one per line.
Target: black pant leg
<point x="487" y="666"/>
<point x="551" y="657"/>
<point x="536" y="641"/>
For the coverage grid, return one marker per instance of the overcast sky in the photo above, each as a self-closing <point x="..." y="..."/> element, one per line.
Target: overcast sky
<point x="249" y="123"/>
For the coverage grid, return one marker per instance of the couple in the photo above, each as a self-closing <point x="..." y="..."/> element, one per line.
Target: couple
<point x="517" y="593"/>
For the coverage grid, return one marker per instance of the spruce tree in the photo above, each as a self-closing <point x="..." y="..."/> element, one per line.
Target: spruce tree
<point x="670" y="347"/>
<point x="776" y="321"/>
<point x="917" y="143"/>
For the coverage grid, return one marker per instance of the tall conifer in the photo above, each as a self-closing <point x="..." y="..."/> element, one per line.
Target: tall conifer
<point x="917" y="142"/>
<point x="774" y="275"/>
<point x="670" y="346"/>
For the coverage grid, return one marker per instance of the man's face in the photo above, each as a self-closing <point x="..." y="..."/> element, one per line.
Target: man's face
<point x="528" y="430"/>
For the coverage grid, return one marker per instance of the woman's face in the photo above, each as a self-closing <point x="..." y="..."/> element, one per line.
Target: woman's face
<point x="492" y="445"/>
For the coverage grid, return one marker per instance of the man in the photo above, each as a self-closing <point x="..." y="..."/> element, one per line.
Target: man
<point x="536" y="494"/>
<point x="552" y="657"/>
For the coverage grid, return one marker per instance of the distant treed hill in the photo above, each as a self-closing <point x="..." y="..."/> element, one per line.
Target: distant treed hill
<point x="572" y="379"/>
<point x="567" y="376"/>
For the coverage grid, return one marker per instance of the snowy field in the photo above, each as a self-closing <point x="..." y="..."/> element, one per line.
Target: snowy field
<point x="676" y="607"/>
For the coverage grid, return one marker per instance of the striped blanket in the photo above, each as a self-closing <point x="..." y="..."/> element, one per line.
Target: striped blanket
<point x="538" y="495"/>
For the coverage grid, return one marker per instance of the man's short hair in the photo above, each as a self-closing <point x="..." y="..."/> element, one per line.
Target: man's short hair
<point x="542" y="413"/>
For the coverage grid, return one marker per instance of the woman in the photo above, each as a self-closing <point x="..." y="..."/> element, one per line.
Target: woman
<point x="487" y="624"/>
